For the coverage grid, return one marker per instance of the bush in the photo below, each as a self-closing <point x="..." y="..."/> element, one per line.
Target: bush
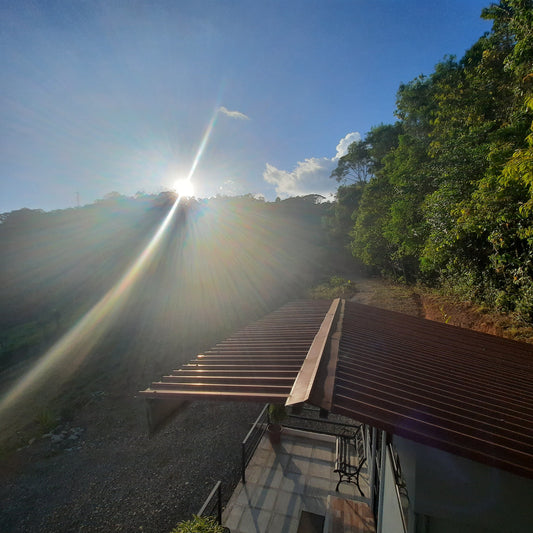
<point x="199" y="524"/>
<point x="277" y="413"/>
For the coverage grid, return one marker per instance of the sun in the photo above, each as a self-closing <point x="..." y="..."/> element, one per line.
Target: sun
<point x="184" y="188"/>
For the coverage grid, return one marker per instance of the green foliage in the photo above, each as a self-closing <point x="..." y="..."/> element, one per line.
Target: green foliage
<point x="338" y="222"/>
<point x="355" y="165"/>
<point x="199" y="524"/>
<point x="336" y="287"/>
<point x="450" y="201"/>
<point x="277" y="413"/>
<point x="46" y="419"/>
<point x="364" y="157"/>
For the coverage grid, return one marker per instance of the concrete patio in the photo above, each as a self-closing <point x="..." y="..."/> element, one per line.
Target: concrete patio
<point x="285" y="480"/>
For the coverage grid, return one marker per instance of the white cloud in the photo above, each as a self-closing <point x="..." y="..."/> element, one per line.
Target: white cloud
<point x="311" y="176"/>
<point x="233" y="114"/>
<point x="342" y="147"/>
<point x="231" y="187"/>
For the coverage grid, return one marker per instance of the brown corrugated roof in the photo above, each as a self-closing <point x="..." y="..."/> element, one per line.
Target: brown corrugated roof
<point x="260" y="362"/>
<point x="455" y="389"/>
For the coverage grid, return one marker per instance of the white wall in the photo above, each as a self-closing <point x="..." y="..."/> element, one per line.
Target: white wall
<point x="457" y="494"/>
<point x="392" y="518"/>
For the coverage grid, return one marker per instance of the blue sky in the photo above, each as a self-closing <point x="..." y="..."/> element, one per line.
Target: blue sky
<point x="102" y="96"/>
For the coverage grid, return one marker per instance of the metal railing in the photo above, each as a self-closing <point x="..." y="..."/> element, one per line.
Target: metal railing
<point x="312" y="423"/>
<point x="315" y="424"/>
<point x="252" y="439"/>
<point x="401" y="487"/>
<point x="213" y="505"/>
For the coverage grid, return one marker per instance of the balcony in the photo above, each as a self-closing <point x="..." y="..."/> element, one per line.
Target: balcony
<point x="290" y="488"/>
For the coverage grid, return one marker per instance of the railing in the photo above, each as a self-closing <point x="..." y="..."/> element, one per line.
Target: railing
<point x="400" y="486"/>
<point x="213" y="504"/>
<point x="251" y="441"/>
<point x="315" y="424"/>
<point x="375" y="468"/>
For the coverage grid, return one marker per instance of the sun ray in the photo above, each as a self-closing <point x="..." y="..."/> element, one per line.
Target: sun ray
<point x="184" y="188"/>
<point x="81" y="338"/>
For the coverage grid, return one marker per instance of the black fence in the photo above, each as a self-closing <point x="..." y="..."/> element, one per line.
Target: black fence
<point x="251" y="441"/>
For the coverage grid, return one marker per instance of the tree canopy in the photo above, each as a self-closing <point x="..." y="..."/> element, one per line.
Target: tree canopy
<point x="446" y="194"/>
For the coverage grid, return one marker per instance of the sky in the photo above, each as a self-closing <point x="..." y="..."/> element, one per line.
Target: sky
<point x="257" y="97"/>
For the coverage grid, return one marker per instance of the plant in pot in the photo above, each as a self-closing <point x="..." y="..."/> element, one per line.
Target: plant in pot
<point x="276" y="415"/>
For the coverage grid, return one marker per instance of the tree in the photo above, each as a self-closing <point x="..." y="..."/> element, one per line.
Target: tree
<point x="355" y="165"/>
<point x="364" y="157"/>
<point x="339" y="220"/>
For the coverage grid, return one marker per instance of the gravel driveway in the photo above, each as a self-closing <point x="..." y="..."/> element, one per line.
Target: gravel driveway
<point x="101" y="471"/>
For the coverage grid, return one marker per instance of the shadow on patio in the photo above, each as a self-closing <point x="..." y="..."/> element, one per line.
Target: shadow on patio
<point x="290" y="488"/>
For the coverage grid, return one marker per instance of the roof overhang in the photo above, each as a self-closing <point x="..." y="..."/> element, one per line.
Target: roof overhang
<point x="461" y="391"/>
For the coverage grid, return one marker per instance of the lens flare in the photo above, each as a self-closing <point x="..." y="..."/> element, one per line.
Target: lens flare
<point x="184" y="188"/>
<point x="73" y="347"/>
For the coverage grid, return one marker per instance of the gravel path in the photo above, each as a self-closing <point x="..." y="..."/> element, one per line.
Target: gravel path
<point x="101" y="471"/>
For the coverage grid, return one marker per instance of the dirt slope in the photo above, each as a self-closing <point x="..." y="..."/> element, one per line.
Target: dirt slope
<point x="426" y="304"/>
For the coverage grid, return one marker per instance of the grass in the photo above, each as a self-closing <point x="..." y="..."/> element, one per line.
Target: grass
<point x="46" y="419"/>
<point x="335" y="287"/>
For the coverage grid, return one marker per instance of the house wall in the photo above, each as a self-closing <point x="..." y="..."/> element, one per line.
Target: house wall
<point x="451" y="494"/>
<point x="392" y="517"/>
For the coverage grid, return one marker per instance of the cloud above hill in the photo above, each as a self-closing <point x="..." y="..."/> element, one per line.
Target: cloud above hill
<point x="310" y="176"/>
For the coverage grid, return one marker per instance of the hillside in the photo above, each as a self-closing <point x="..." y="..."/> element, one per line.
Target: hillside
<point x="75" y="453"/>
<point x="432" y="305"/>
<point x="88" y="294"/>
<point x="107" y="474"/>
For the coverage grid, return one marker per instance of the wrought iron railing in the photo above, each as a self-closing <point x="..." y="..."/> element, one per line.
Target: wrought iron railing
<point x="213" y="505"/>
<point x="401" y="487"/>
<point x="251" y="441"/>
<point x="310" y="420"/>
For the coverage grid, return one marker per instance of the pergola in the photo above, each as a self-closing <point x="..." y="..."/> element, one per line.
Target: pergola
<point x="454" y="389"/>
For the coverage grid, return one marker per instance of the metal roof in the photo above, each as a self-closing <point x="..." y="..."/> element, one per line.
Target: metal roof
<point x="458" y="390"/>
<point x="260" y="362"/>
<point x="454" y="389"/>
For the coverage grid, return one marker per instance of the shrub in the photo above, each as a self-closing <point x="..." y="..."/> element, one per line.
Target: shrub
<point x="277" y="413"/>
<point x="199" y="524"/>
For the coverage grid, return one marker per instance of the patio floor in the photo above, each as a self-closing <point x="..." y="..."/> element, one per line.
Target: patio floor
<point x="285" y="480"/>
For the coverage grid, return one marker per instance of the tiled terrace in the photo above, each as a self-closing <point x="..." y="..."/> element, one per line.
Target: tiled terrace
<point x="297" y="475"/>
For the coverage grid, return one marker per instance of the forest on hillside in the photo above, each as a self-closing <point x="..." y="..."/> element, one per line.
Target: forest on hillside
<point x="98" y="301"/>
<point x="220" y="263"/>
<point x="444" y="196"/>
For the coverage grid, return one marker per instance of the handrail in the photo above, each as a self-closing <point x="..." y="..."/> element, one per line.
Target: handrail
<point x="341" y="425"/>
<point x="252" y="439"/>
<point x="399" y="484"/>
<point x="210" y="503"/>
